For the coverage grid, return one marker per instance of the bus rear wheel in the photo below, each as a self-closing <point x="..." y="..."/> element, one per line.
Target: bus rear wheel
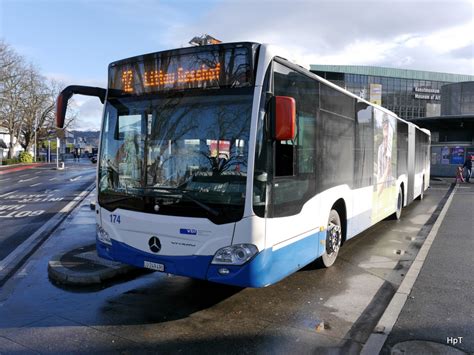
<point x="333" y="239"/>
<point x="398" y="212"/>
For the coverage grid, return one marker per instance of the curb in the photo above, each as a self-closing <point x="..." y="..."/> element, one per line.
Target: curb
<point x="83" y="267"/>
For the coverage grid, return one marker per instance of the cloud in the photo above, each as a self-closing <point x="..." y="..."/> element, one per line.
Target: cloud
<point x="466" y="52"/>
<point x="89" y="112"/>
<point x="385" y="33"/>
<point x="427" y="35"/>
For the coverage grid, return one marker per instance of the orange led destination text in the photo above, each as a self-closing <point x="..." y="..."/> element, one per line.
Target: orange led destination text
<point x="154" y="78"/>
<point x="158" y="78"/>
<point x="127" y="77"/>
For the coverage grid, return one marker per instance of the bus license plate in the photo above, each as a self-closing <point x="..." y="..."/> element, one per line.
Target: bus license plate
<point x="154" y="266"/>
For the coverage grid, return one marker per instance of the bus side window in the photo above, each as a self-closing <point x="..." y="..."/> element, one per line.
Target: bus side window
<point x="296" y="157"/>
<point x="295" y="160"/>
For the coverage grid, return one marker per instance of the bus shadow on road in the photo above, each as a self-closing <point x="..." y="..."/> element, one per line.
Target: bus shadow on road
<point x="166" y="299"/>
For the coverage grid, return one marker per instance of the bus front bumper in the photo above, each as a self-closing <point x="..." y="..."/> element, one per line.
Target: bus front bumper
<point x="265" y="268"/>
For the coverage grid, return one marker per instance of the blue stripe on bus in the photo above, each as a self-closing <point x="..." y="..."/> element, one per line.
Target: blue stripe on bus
<point x="266" y="268"/>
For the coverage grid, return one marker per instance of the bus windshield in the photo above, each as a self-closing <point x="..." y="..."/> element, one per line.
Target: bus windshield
<point x="181" y="154"/>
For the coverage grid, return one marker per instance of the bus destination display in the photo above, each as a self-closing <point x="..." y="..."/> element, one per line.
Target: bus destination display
<point x="210" y="69"/>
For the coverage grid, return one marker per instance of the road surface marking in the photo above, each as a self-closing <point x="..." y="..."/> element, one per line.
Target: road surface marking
<point x="53" y="179"/>
<point x="24" y="175"/>
<point x="21" y="214"/>
<point x="12" y="260"/>
<point x="8" y="193"/>
<point x="48" y="191"/>
<point x="39" y="183"/>
<point x="35" y="177"/>
<point x="76" y="178"/>
<point x="385" y="325"/>
<point x="71" y="204"/>
<point x="5" y="179"/>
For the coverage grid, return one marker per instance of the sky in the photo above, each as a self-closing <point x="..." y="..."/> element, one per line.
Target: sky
<point x="73" y="41"/>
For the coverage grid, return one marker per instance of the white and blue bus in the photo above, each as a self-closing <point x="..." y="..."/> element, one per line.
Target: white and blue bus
<point x="231" y="164"/>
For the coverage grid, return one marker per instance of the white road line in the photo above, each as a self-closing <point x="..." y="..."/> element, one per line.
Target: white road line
<point x="71" y="204"/>
<point x="385" y="325"/>
<point x="76" y="178"/>
<point x="39" y="183"/>
<point x="48" y="191"/>
<point x="53" y="179"/>
<point x="24" y="175"/>
<point x="35" y="177"/>
<point x="8" y="193"/>
<point x="5" y="179"/>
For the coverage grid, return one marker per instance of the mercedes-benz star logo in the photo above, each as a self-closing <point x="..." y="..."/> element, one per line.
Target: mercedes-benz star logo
<point x="154" y="244"/>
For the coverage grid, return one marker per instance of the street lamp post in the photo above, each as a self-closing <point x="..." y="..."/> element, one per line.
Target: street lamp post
<point x="36" y="129"/>
<point x="57" y="153"/>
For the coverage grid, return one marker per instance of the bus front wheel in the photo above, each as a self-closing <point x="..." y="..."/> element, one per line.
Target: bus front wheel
<point x="333" y="239"/>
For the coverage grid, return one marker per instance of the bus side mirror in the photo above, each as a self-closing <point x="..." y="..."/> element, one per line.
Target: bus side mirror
<point x="285" y="118"/>
<point x="65" y="95"/>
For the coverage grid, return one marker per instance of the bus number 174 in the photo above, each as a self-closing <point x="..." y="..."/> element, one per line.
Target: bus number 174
<point x="115" y="218"/>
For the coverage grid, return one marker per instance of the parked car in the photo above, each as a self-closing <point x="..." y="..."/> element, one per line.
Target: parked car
<point x="93" y="158"/>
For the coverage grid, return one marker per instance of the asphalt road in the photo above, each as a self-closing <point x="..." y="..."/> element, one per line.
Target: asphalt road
<point x="314" y="310"/>
<point x="30" y="197"/>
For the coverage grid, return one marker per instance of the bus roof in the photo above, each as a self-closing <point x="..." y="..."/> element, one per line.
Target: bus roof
<point x="184" y="50"/>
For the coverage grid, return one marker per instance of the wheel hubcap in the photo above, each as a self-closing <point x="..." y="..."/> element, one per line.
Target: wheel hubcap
<point x="333" y="238"/>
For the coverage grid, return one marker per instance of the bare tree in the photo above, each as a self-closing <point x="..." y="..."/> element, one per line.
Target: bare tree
<point x="12" y="87"/>
<point x="8" y="59"/>
<point x="40" y="110"/>
<point x="27" y="101"/>
<point x="35" y="104"/>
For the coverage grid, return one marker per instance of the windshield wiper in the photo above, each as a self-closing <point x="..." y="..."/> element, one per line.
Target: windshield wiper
<point x="185" y="194"/>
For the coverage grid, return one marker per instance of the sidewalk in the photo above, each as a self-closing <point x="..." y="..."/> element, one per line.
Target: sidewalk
<point x="438" y="316"/>
<point x="20" y="166"/>
<point x="5" y="169"/>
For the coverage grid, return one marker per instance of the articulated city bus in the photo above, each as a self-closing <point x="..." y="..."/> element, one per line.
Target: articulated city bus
<point x="231" y="164"/>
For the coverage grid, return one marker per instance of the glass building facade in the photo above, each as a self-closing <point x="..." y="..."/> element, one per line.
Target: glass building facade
<point x="452" y="133"/>
<point x="408" y="93"/>
<point x="458" y="99"/>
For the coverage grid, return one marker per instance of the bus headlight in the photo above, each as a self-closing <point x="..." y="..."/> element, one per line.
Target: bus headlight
<point x="235" y="254"/>
<point x="103" y="236"/>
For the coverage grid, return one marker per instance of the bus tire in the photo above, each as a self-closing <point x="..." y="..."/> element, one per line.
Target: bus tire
<point x="422" y="193"/>
<point x="398" y="211"/>
<point x="333" y="239"/>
